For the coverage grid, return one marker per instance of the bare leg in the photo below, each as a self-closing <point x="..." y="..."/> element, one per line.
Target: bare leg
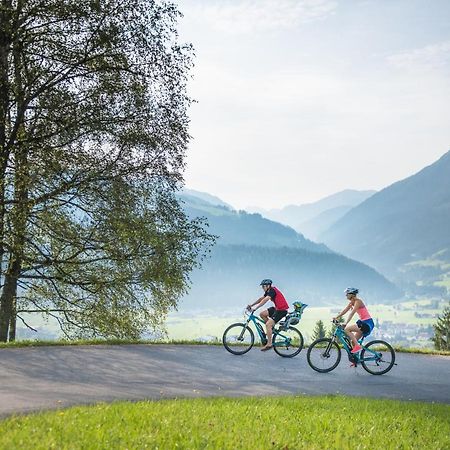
<point x="264" y="315"/>
<point x="354" y="333"/>
<point x="269" y="326"/>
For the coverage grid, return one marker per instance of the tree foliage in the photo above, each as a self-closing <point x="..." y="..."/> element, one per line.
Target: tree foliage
<point x="93" y="132"/>
<point x="441" y="337"/>
<point x="319" y="331"/>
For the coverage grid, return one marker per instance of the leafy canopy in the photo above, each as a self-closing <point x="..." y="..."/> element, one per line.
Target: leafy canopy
<point x="93" y="134"/>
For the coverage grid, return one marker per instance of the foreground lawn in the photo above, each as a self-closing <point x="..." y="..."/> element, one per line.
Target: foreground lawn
<point x="250" y="423"/>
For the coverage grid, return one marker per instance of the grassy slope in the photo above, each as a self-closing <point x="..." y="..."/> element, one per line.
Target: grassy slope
<point x="271" y="422"/>
<point x="35" y="343"/>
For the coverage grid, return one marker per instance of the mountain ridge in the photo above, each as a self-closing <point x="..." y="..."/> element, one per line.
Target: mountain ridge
<point x="251" y="247"/>
<point x="296" y="215"/>
<point x="403" y="222"/>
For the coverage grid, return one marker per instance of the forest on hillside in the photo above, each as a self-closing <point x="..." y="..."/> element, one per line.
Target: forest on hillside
<point x="233" y="273"/>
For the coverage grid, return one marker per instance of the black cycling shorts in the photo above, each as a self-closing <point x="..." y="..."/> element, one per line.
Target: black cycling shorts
<point x="276" y="314"/>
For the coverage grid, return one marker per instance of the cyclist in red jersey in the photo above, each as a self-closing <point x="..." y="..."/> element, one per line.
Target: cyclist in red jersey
<point x="273" y="314"/>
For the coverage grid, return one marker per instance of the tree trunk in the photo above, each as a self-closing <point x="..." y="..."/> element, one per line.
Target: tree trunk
<point x="13" y="321"/>
<point x="19" y="218"/>
<point x="5" y="50"/>
<point x="7" y="299"/>
<point x="5" y="47"/>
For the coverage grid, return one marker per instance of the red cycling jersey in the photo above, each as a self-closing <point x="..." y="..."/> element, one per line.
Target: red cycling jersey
<point x="279" y="300"/>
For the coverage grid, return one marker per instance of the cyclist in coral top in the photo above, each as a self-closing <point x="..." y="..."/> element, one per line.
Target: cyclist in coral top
<point x="273" y="314"/>
<point x="364" y="325"/>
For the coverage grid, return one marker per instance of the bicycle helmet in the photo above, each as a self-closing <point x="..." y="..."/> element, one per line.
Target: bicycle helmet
<point x="266" y="281"/>
<point x="351" y="290"/>
<point x="297" y="305"/>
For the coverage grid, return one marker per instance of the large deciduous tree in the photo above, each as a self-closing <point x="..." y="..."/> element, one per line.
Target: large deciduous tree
<point x="93" y="132"/>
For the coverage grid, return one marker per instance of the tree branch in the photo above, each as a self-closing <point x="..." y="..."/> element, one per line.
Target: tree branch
<point x="23" y="321"/>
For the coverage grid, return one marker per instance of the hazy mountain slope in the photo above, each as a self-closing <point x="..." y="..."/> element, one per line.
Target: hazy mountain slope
<point x="241" y="228"/>
<point x="294" y="215"/>
<point x="407" y="221"/>
<point x="314" y="227"/>
<point x="232" y="275"/>
<point x="251" y="247"/>
<point x="206" y="197"/>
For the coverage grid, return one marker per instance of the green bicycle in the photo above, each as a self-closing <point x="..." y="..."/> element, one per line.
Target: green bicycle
<point x="287" y="340"/>
<point x="377" y="357"/>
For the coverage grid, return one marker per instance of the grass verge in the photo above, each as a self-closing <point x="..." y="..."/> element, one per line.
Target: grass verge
<point x="224" y="423"/>
<point x="425" y="351"/>
<point x="34" y="343"/>
<point x="62" y="342"/>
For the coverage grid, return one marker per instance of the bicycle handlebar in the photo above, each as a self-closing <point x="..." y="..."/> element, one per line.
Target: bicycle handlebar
<point x="338" y="324"/>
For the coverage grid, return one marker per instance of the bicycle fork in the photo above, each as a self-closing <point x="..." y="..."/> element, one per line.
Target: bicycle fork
<point x="326" y="353"/>
<point x="241" y="336"/>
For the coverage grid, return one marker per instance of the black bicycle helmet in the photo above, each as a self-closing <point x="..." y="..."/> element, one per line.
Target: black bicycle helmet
<point x="266" y="281"/>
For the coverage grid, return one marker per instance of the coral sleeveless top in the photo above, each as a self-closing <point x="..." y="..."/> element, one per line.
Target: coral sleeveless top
<point x="363" y="313"/>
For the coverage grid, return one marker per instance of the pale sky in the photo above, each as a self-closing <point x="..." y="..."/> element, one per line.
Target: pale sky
<point x="298" y="99"/>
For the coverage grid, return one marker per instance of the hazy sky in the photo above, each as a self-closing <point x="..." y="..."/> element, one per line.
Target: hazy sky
<point x="298" y="99"/>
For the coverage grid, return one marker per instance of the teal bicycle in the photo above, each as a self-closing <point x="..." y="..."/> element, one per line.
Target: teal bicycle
<point x="377" y="357"/>
<point x="287" y="340"/>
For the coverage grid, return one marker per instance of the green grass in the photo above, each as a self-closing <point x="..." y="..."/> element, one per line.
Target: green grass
<point x="445" y="281"/>
<point x="425" y="351"/>
<point x="188" y="326"/>
<point x="331" y="422"/>
<point x="184" y="326"/>
<point x="24" y="344"/>
<point x="38" y="343"/>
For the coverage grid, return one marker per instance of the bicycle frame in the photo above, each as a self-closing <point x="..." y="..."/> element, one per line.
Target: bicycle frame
<point x="342" y="337"/>
<point x="262" y="335"/>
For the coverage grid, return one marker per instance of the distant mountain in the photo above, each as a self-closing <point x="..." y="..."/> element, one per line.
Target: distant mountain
<point x="242" y="228"/>
<point x="296" y="215"/>
<point x="230" y="278"/>
<point x="405" y="223"/>
<point x="314" y="227"/>
<point x="251" y="247"/>
<point x="213" y="200"/>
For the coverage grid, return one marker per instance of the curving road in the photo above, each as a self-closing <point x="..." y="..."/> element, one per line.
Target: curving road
<point x="52" y="377"/>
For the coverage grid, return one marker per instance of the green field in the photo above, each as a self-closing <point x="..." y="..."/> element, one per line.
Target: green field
<point x="210" y="326"/>
<point x="251" y="423"/>
<point x="445" y="282"/>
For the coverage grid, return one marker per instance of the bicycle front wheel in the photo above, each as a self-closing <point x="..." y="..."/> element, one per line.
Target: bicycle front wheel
<point x="288" y="343"/>
<point x="238" y="338"/>
<point x="323" y="355"/>
<point x="377" y="357"/>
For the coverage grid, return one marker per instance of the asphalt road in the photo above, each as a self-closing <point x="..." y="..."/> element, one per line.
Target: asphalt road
<point x="53" y="377"/>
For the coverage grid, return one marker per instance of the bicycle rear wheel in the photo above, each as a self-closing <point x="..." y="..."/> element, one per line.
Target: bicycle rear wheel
<point x="323" y="355"/>
<point x="238" y="338"/>
<point x="377" y="357"/>
<point x="288" y="343"/>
